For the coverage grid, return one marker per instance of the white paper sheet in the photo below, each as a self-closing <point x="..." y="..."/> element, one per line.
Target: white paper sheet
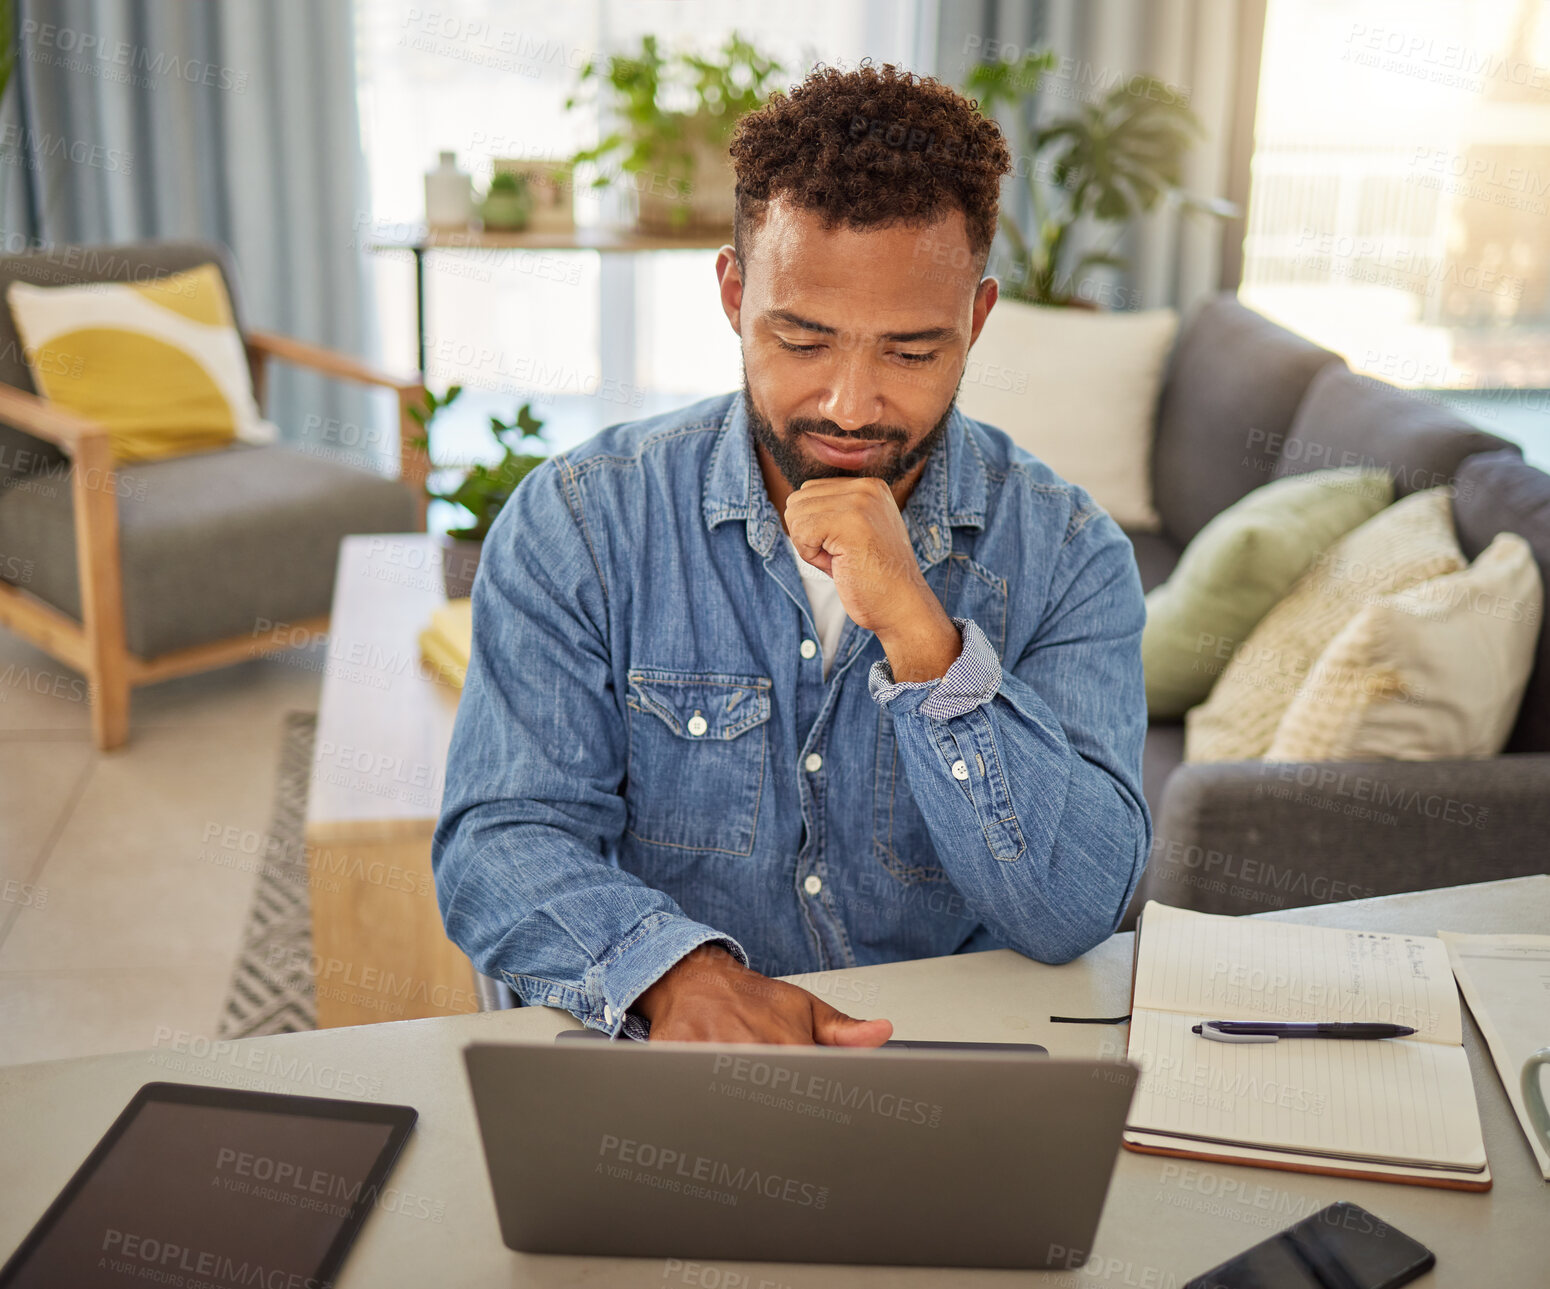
<point x="1506" y="982"/>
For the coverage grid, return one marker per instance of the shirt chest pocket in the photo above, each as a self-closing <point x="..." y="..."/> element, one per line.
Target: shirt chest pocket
<point x="697" y="758"/>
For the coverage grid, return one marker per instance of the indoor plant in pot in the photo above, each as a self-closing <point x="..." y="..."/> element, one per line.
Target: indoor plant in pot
<point x="676" y="113"/>
<point x="1107" y="162"/>
<point x="507" y="204"/>
<point x="481" y="490"/>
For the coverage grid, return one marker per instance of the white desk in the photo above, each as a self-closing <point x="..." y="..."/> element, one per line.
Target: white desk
<point x="1165" y="1220"/>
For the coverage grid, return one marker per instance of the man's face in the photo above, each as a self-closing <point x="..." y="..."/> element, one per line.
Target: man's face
<point x="854" y="341"/>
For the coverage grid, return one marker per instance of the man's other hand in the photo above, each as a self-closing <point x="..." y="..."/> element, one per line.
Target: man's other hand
<point x="710" y="997"/>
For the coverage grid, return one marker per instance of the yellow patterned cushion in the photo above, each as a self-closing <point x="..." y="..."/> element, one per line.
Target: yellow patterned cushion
<point x="1409" y="542"/>
<point x="160" y="362"/>
<point x="1436" y="671"/>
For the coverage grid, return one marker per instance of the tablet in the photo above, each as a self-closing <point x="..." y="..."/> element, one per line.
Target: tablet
<point x="197" y="1185"/>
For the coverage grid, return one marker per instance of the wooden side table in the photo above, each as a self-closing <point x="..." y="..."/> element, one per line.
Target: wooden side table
<point x="384" y="725"/>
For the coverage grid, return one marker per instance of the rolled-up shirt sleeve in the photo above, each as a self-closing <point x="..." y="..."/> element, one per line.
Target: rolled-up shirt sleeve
<point x="1028" y="775"/>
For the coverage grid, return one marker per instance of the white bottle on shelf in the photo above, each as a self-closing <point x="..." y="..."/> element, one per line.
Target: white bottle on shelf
<point x="449" y="195"/>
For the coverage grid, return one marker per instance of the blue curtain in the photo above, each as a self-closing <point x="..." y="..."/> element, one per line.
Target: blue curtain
<point x="230" y="120"/>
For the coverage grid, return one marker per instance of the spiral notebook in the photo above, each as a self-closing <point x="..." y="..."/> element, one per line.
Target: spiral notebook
<point x="1394" y="1109"/>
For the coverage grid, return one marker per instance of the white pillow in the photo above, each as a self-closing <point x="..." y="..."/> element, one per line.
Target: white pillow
<point x="1078" y="389"/>
<point x="1431" y="672"/>
<point x="1409" y="542"/>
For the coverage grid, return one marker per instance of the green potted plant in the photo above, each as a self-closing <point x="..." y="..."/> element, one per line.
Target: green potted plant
<point x="676" y="160"/>
<point x="480" y="490"/>
<point x="1107" y="162"/>
<point x="507" y="204"/>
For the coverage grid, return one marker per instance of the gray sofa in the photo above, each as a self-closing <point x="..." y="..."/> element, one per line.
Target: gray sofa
<point x="1244" y="402"/>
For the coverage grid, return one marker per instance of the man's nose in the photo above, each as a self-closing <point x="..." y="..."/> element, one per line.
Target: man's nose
<point x="854" y="401"/>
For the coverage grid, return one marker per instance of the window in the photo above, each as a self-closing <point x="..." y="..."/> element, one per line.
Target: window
<point x="599" y="341"/>
<point x="1400" y="203"/>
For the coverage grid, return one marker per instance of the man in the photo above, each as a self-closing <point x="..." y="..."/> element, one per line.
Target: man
<point x="813" y="675"/>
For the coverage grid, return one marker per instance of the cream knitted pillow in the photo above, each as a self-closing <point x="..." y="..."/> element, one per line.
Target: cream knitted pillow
<point x="1409" y="542"/>
<point x="1436" y="671"/>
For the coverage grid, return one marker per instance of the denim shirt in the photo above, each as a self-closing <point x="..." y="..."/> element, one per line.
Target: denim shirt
<point x="647" y="756"/>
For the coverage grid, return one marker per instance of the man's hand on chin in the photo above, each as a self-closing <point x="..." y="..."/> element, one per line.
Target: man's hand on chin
<point x="710" y="997"/>
<point x="854" y="531"/>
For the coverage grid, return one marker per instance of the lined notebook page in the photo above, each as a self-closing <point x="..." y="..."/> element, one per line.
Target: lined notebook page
<point x="1395" y="1100"/>
<point x="1213" y="967"/>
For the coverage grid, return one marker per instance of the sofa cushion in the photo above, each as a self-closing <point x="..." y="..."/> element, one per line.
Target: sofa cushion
<point x="1409" y="542"/>
<point x="1237" y="568"/>
<point x="1499" y="492"/>
<point x="211" y="544"/>
<point x="1233" y="385"/>
<point x="160" y="363"/>
<point x="1435" y="672"/>
<point x="1156" y="557"/>
<point x="1351" y="420"/>
<point x="1078" y="389"/>
<point x="21" y="453"/>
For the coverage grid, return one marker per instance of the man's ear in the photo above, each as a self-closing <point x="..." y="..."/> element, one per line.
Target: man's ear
<point x="985" y="297"/>
<point x="730" y="278"/>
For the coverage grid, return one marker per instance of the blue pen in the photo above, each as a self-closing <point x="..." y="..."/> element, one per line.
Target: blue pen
<point x="1262" y="1031"/>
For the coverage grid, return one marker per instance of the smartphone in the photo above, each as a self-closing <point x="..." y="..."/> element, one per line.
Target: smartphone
<point x="1339" y="1247"/>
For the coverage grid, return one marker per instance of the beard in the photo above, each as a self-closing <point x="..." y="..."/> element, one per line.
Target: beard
<point x="893" y="463"/>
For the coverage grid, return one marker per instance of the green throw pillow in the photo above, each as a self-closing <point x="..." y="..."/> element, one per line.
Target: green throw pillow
<point x="1237" y="568"/>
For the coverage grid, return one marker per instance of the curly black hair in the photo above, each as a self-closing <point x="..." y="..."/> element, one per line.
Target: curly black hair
<point x="869" y="148"/>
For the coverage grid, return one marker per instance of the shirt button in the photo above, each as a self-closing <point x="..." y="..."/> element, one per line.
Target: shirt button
<point x="960" y="770"/>
<point x="697" y="725"/>
<point x="813" y="884"/>
<point x="608" y="1015"/>
<point x="809" y="648"/>
<point x="814" y="763"/>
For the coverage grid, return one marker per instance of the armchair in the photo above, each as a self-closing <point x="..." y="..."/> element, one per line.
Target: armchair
<point x="141" y="571"/>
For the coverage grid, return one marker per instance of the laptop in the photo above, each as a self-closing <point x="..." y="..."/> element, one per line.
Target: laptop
<point x="934" y="1157"/>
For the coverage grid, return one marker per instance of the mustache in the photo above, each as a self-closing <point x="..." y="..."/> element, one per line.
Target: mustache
<point x="883" y="434"/>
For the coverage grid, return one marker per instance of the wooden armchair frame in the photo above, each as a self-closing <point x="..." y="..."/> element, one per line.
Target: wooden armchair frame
<point x="95" y="646"/>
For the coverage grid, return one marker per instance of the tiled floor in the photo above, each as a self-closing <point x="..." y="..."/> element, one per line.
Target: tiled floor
<point x="115" y="925"/>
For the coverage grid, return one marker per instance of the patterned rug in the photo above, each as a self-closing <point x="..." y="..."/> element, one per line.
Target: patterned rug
<point x="271" y="989"/>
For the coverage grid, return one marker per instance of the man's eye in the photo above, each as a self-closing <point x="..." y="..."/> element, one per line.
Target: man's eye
<point x="797" y="349"/>
<point x="918" y="358"/>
